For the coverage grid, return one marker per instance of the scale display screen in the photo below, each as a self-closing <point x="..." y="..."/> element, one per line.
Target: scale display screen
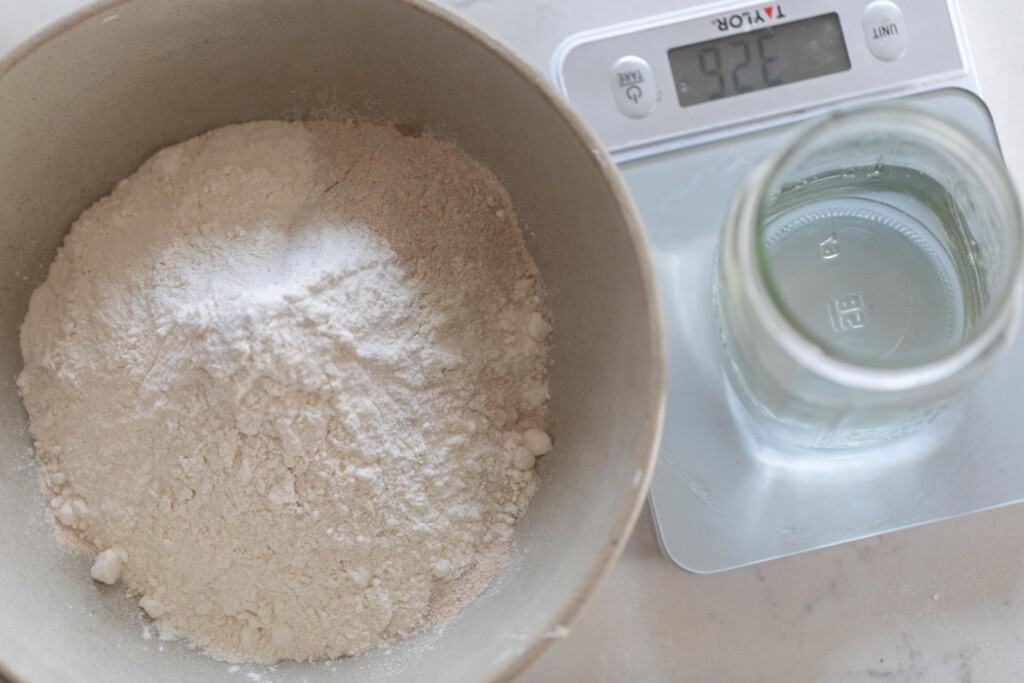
<point x="766" y="58"/>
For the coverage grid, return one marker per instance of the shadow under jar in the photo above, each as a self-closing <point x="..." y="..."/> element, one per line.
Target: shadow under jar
<point x="867" y="274"/>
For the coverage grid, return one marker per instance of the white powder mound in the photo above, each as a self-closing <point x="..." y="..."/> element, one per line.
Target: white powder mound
<point x="289" y="381"/>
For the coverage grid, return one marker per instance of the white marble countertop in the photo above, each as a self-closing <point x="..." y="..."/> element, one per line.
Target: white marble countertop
<point x="940" y="604"/>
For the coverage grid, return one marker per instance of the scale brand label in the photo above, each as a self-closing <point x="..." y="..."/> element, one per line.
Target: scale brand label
<point x="749" y="17"/>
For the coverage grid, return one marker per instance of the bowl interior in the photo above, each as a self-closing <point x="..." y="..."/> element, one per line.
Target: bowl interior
<point x="86" y="104"/>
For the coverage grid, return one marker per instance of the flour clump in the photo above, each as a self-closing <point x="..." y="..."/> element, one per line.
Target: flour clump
<point x="289" y="381"/>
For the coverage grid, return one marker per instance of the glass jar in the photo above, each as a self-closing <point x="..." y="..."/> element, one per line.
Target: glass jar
<point x="866" y="275"/>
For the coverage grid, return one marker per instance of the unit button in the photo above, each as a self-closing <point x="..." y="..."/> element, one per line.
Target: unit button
<point x="885" y="30"/>
<point x="633" y="87"/>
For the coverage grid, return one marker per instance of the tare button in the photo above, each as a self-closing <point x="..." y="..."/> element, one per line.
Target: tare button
<point x="633" y="87"/>
<point x="885" y="30"/>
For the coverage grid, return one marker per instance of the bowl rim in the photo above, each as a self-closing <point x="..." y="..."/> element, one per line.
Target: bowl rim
<point x="645" y="453"/>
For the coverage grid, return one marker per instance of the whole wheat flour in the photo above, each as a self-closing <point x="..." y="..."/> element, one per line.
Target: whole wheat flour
<point x="289" y="381"/>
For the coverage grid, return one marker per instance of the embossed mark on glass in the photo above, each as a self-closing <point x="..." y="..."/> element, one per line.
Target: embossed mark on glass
<point x="866" y="276"/>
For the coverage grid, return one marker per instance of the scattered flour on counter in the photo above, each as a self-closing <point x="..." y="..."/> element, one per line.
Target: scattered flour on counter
<point x="289" y="381"/>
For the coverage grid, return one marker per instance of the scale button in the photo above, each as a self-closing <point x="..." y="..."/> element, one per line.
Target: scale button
<point x="633" y="87"/>
<point x="885" y="30"/>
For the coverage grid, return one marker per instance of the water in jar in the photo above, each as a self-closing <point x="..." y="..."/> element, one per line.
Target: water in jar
<point x="873" y="263"/>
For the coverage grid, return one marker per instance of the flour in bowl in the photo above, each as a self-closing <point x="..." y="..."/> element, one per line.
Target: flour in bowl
<point x="289" y="381"/>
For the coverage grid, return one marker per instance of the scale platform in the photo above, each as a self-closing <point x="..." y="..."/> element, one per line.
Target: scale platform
<point x="685" y="140"/>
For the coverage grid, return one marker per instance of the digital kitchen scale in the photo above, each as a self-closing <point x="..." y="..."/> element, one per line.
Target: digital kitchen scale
<point x="688" y="103"/>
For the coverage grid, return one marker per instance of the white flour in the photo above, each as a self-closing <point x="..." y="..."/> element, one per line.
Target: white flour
<point x="288" y="378"/>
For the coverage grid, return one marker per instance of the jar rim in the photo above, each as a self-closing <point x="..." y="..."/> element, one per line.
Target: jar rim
<point x="992" y="331"/>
